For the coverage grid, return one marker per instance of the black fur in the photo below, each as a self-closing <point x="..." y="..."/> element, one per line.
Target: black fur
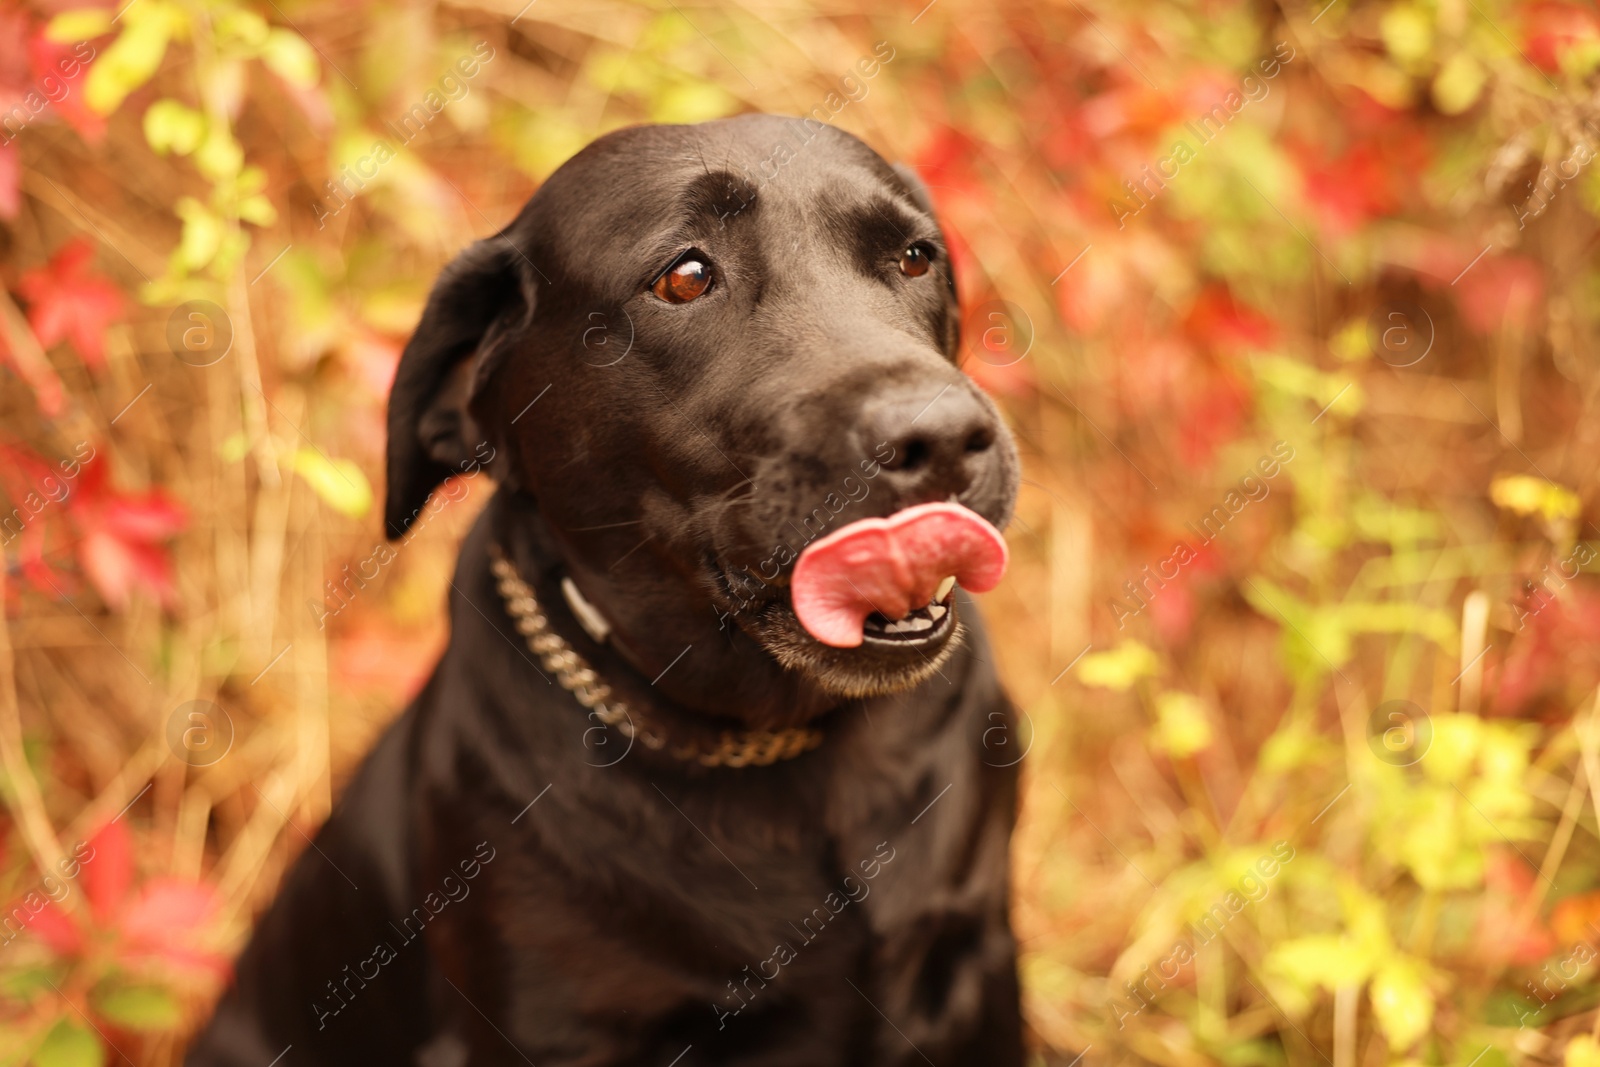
<point x="506" y="881"/>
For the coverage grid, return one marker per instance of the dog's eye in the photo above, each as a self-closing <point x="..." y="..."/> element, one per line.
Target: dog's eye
<point x="915" y="261"/>
<point x="686" y="279"/>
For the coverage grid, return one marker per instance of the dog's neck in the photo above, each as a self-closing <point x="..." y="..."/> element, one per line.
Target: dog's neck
<point x="679" y="658"/>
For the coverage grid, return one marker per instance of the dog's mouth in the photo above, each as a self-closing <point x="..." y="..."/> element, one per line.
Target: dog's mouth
<point x="886" y="571"/>
<point x="921" y="628"/>
<point x="871" y="608"/>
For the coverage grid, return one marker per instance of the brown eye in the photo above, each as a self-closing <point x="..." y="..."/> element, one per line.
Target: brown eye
<point x="915" y="261"/>
<point x="684" y="280"/>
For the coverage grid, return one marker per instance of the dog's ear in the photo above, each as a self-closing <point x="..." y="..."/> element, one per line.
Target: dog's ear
<point x="919" y="194"/>
<point x="480" y="304"/>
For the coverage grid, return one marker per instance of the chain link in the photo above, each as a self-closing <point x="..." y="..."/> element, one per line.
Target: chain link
<point x="735" y="748"/>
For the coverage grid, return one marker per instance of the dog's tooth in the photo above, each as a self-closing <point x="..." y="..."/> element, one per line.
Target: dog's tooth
<point x="937" y="611"/>
<point x="918" y="625"/>
<point x="944" y="589"/>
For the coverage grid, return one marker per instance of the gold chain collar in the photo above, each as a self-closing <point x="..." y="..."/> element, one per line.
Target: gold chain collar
<point x="734" y="748"/>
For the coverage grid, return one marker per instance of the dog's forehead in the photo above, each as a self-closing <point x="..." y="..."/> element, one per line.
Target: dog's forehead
<point x="638" y="182"/>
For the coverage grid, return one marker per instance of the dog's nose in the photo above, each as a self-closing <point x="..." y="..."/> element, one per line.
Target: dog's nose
<point x="940" y="441"/>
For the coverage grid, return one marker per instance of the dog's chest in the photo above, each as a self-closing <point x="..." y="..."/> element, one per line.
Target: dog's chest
<point x="739" y="911"/>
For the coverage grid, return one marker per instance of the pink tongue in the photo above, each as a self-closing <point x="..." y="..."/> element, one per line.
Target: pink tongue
<point x="891" y="566"/>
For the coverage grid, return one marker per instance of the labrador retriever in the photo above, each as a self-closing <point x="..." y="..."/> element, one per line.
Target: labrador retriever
<point x="707" y="772"/>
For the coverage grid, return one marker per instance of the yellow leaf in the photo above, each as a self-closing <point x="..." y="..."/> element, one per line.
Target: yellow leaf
<point x="173" y="127"/>
<point x="694" y="102"/>
<point x="82" y="25"/>
<point x="1182" y="725"/>
<point x="234" y="447"/>
<point x="288" y="56"/>
<point x="1321" y="960"/>
<point x="1583" y="1051"/>
<point x="242" y="29"/>
<point x="339" y="482"/>
<point x="258" y="209"/>
<point x="1454" y="747"/>
<point x="219" y="155"/>
<point x="1350" y="342"/>
<point x="126" y="64"/>
<point x="1458" y="84"/>
<point x="1118" y="668"/>
<point x="1402" y="1002"/>
<point x="202" y="234"/>
<point x="1527" y="495"/>
<point x="1408" y="32"/>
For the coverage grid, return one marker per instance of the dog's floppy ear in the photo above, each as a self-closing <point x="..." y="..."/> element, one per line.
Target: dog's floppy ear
<point x="479" y="305"/>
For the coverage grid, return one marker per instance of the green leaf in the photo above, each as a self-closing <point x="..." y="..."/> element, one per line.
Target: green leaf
<point x="1120" y="667"/>
<point x="81" y="25"/>
<point x="69" y="1045"/>
<point x="338" y="482"/>
<point x="139" y="1007"/>
<point x="1402" y="1002"/>
<point x="173" y="127"/>
<point x="290" y="57"/>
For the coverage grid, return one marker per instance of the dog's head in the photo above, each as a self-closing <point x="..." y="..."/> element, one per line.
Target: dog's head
<point x="703" y="349"/>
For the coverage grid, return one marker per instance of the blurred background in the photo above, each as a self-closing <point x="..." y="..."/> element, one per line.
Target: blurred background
<point x="1292" y="308"/>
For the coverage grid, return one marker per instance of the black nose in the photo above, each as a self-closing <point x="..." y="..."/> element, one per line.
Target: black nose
<point x="941" y="438"/>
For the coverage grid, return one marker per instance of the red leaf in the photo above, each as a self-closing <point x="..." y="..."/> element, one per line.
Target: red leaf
<point x="107" y="875"/>
<point x="167" y="921"/>
<point x="56" y="63"/>
<point x="1373" y="176"/>
<point x="373" y="359"/>
<point x="15" y="77"/>
<point x="1548" y="30"/>
<point x="1573" y="919"/>
<point x="10" y="181"/>
<point x="30" y="555"/>
<point x="66" y="301"/>
<point x="1173" y="611"/>
<point x="1218" y="320"/>
<point x="1503" y="934"/>
<point x="55" y="928"/>
<point x="152" y="516"/>
<point x="1209" y="419"/>
<point x="117" y="566"/>
<point x="120" y="549"/>
<point x="1500" y="289"/>
<point x="168" y="911"/>
<point x="369" y="659"/>
<point x="1091" y="291"/>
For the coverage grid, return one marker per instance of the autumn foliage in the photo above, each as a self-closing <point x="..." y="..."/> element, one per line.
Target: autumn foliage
<point x="1291" y="307"/>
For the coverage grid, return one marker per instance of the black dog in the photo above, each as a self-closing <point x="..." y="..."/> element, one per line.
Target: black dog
<point x="696" y="350"/>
